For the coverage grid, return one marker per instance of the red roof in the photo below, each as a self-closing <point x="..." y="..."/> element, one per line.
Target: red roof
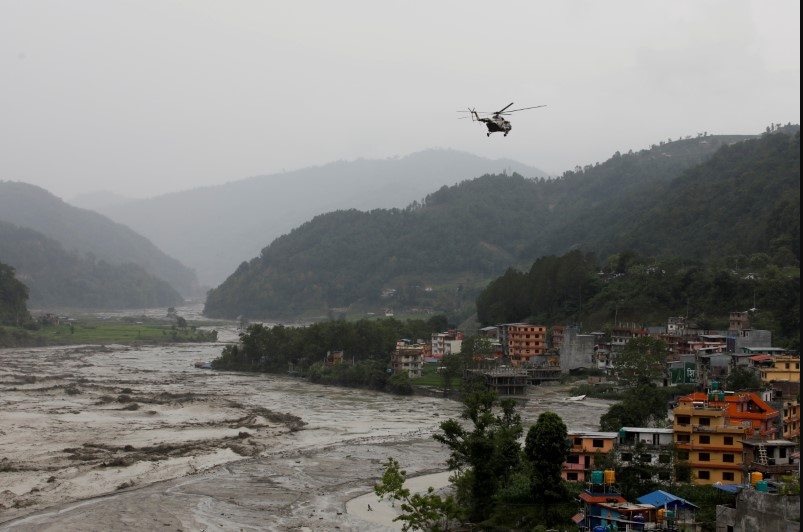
<point x="603" y="497"/>
<point x="759" y="358"/>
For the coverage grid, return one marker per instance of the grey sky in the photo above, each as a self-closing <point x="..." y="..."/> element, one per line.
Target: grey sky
<point x="146" y="97"/>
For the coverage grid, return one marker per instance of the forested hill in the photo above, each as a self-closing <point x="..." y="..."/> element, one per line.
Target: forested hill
<point x="56" y="278"/>
<point x="439" y="254"/>
<point x="90" y="234"/>
<point x="220" y="226"/>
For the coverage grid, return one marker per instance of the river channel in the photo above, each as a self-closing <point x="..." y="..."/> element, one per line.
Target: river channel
<point x="119" y="438"/>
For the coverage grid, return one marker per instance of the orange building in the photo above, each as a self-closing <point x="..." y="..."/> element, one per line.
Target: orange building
<point x="584" y="445"/>
<point x="523" y="342"/>
<point x="709" y="429"/>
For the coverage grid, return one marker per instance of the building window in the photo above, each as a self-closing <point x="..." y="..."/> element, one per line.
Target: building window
<point x="664" y="459"/>
<point x="646" y="458"/>
<point x="704" y="475"/>
<point x="727" y="458"/>
<point x="683" y="455"/>
<point x="705" y="440"/>
<point x="571" y="477"/>
<point x="728" y="476"/>
<point x="573" y="459"/>
<point x="626" y="457"/>
<point x="578" y="442"/>
<point x="684" y="438"/>
<point x="664" y="475"/>
<point x="597" y="444"/>
<point x="683" y="420"/>
<point x="728" y="440"/>
<point x="705" y="457"/>
<point x="705" y="421"/>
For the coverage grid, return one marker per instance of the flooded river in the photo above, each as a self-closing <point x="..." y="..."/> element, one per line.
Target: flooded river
<point x="137" y="438"/>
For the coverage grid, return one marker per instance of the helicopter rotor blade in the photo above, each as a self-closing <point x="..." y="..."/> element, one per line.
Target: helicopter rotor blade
<point x="523" y="109"/>
<point x="499" y="112"/>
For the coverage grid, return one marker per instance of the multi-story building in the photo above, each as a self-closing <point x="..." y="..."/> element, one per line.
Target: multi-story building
<point x="443" y="343"/>
<point x="408" y="358"/>
<point x="648" y="446"/>
<point x="584" y="445"/>
<point x="709" y="430"/>
<point x="523" y="341"/>
<point x="790" y="419"/>
<point x="781" y="368"/>
<point x="620" y="335"/>
<point x="557" y="335"/>
<point x="774" y="459"/>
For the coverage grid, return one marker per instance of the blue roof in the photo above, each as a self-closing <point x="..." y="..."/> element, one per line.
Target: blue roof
<point x="733" y="488"/>
<point x="660" y="498"/>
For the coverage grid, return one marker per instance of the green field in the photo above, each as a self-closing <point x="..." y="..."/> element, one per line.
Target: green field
<point x="104" y="332"/>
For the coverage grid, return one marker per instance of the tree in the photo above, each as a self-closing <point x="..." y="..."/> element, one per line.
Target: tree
<point x="547" y="449"/>
<point x="420" y="511"/>
<point x="641" y="361"/>
<point x="742" y="378"/>
<point x="485" y="456"/>
<point x="642" y="406"/>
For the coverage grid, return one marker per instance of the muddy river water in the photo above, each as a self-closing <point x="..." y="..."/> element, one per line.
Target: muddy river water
<point x="114" y="438"/>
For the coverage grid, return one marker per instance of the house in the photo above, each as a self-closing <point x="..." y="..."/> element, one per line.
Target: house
<point x="772" y="458"/>
<point x="522" y="342"/>
<point x="648" y="446"/>
<point x="408" y="357"/>
<point x="583" y="446"/>
<point x="709" y="431"/>
<point x="780" y="368"/>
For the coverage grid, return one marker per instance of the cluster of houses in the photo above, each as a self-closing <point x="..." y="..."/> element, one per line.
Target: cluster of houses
<point x="733" y="440"/>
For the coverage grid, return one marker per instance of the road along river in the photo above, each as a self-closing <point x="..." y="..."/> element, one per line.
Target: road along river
<point x="118" y="438"/>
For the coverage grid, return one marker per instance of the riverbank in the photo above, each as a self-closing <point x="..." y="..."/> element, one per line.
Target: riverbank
<point x="131" y="438"/>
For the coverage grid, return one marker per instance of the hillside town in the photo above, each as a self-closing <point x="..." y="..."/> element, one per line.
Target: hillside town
<point x="739" y="441"/>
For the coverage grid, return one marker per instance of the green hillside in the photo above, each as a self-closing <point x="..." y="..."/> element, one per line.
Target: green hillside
<point x="436" y="256"/>
<point x="89" y="233"/>
<point x="57" y="278"/>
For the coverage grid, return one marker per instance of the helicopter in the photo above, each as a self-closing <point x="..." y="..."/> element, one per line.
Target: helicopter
<point x="496" y="122"/>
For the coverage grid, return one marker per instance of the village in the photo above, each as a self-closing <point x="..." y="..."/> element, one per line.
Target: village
<point x="739" y="441"/>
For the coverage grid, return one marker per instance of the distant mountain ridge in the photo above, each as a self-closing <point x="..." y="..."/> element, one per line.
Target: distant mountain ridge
<point x="55" y="278"/>
<point x="440" y="253"/>
<point x="89" y="233"/>
<point x="214" y="229"/>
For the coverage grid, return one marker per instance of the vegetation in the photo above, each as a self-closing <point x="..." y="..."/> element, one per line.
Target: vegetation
<point x="91" y="331"/>
<point x="630" y="288"/>
<point x="429" y="512"/>
<point x="366" y="346"/>
<point x="57" y="278"/>
<point x="83" y="236"/>
<point x="13" y="298"/>
<point x="440" y="253"/>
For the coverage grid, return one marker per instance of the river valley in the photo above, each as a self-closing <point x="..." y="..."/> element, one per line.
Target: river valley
<point x="119" y="438"/>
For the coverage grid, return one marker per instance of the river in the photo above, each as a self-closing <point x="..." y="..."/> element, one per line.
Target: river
<point x="120" y="438"/>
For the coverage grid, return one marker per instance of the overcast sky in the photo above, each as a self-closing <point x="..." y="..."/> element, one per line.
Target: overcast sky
<point x="146" y="97"/>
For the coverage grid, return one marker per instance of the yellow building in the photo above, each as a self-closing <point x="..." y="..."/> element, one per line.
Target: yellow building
<point x="707" y="441"/>
<point x="783" y="368"/>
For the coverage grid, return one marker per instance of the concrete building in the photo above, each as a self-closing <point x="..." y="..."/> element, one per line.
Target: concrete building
<point x="577" y="350"/>
<point x="408" y="358"/>
<point x="648" y="446"/>
<point x="522" y="342"/>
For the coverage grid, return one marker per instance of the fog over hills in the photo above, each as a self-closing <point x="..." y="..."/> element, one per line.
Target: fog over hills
<point x="89" y="234"/>
<point x="214" y="229"/>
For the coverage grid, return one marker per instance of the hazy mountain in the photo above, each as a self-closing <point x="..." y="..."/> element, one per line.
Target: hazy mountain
<point x="89" y="233"/>
<point x="214" y="229"/>
<point x="56" y="278"/>
<point x="697" y="198"/>
<point x="98" y="200"/>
